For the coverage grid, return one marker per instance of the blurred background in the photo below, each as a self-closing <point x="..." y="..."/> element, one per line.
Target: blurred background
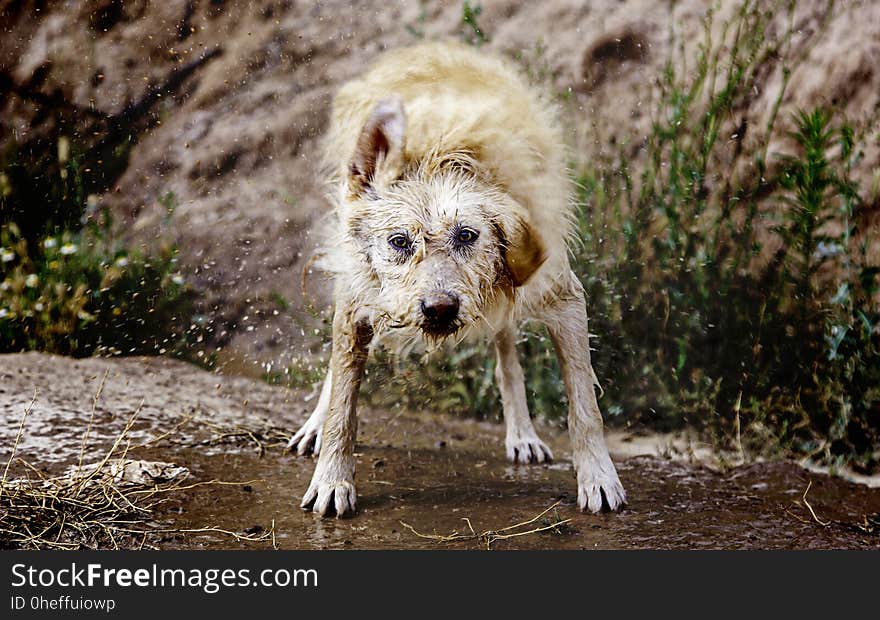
<point x="158" y="192"/>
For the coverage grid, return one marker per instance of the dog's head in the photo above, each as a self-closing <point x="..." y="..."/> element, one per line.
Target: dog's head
<point x="441" y="241"/>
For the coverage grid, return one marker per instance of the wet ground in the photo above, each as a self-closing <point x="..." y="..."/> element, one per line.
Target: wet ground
<point x="436" y="474"/>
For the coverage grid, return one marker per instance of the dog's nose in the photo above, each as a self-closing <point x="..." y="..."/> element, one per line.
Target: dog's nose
<point x="440" y="308"/>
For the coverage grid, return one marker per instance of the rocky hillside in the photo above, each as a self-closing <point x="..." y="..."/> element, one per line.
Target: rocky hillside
<point x="220" y="105"/>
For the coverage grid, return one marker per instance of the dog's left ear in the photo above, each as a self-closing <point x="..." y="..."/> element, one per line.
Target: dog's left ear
<point x="378" y="155"/>
<point x="523" y="251"/>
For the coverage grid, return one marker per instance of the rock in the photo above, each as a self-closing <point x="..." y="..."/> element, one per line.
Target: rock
<point x="132" y="471"/>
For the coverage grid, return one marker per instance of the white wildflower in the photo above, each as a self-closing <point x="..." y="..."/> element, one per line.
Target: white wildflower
<point x="31" y="281"/>
<point x="67" y="249"/>
<point x="50" y="242"/>
<point x="6" y="256"/>
<point x="177" y="279"/>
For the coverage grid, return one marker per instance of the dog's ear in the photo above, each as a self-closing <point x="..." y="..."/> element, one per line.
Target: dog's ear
<point x="523" y="251"/>
<point x="378" y="155"/>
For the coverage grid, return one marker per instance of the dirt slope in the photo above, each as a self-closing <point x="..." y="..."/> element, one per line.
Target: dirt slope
<point x="232" y="149"/>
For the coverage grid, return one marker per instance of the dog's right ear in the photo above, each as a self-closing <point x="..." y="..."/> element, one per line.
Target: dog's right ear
<point x="525" y="253"/>
<point x="522" y="249"/>
<point x="378" y="155"/>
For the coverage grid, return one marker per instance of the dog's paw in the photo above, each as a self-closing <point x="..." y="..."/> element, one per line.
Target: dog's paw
<point x="598" y="484"/>
<point x="307" y="439"/>
<point x="326" y="497"/>
<point x="528" y="449"/>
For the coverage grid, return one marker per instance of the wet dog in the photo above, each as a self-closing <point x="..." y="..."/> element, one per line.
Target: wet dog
<point x="452" y="215"/>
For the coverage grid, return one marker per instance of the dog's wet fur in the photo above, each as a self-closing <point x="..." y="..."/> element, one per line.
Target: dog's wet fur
<point x="452" y="215"/>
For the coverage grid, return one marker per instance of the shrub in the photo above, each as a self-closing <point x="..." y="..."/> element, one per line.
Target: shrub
<point x="700" y="319"/>
<point x="78" y="291"/>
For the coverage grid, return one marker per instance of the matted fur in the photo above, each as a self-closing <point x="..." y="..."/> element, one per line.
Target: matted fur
<point x="449" y="183"/>
<point x="463" y="104"/>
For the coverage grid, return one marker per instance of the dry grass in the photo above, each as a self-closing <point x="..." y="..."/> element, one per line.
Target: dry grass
<point x="92" y="506"/>
<point x="262" y="435"/>
<point x="553" y="524"/>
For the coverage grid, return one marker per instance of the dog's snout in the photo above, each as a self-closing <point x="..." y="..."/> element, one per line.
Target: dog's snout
<point x="440" y="308"/>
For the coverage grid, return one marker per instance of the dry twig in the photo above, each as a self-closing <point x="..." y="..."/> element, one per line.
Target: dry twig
<point x="263" y="437"/>
<point x="491" y="536"/>
<point x="810" y="508"/>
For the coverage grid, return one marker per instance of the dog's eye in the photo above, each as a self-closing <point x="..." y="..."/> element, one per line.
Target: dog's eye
<point x="466" y="235"/>
<point x="400" y="242"/>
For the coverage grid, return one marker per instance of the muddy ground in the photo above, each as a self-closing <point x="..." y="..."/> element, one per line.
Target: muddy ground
<point x="428" y="471"/>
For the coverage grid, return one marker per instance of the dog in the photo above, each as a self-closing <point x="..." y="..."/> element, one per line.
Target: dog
<point x="452" y="218"/>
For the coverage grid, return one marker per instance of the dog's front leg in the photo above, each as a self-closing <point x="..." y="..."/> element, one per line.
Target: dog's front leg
<point x="522" y="442"/>
<point x="332" y="487"/>
<point x="309" y="437"/>
<point x="596" y="476"/>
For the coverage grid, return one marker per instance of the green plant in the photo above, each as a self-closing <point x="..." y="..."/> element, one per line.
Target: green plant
<point x="81" y="292"/>
<point x="834" y="313"/>
<point x="471" y="32"/>
<point x="722" y="300"/>
<point x="459" y="383"/>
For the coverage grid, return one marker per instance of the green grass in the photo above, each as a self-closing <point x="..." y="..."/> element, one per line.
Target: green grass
<point x="79" y="293"/>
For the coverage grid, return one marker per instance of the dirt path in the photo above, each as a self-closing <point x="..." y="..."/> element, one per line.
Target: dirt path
<point x="427" y="471"/>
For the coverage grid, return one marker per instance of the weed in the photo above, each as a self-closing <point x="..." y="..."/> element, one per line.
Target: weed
<point x="471" y="32"/>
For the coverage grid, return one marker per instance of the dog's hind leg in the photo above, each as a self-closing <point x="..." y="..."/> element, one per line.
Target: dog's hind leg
<point x="597" y="478"/>
<point x="332" y="486"/>
<point x="522" y="442"/>
<point x="308" y="438"/>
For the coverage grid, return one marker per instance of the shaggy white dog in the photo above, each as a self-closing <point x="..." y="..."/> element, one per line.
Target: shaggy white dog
<point x="452" y="218"/>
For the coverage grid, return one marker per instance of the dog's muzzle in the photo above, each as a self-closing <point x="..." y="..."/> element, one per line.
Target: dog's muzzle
<point x="440" y="312"/>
